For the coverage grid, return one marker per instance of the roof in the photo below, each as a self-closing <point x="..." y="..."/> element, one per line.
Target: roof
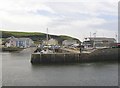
<point x="102" y="38"/>
<point x="12" y="37"/>
<point x="52" y="39"/>
<point x="22" y="39"/>
<point x="70" y="40"/>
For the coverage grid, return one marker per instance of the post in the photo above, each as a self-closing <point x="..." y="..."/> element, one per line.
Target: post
<point x="94" y="40"/>
<point x="47" y="36"/>
<point x="47" y="39"/>
<point x="80" y="48"/>
<point x="90" y="34"/>
<point x="116" y="37"/>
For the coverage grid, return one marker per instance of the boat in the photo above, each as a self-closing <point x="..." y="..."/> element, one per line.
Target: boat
<point x="45" y="49"/>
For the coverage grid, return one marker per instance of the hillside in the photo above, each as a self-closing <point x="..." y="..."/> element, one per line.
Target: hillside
<point x="35" y="36"/>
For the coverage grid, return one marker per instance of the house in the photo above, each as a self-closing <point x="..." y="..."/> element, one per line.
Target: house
<point x="18" y="42"/>
<point x="53" y="42"/>
<point x="69" y="42"/>
<point x="50" y="42"/>
<point x="11" y="42"/>
<point x="24" y="42"/>
<point x="0" y="41"/>
<point x="98" y="42"/>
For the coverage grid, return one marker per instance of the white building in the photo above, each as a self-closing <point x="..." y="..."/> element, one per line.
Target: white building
<point x="0" y="41"/>
<point x="69" y="42"/>
<point x="24" y="42"/>
<point x="18" y="42"/>
<point x="98" y="42"/>
<point x="50" y="42"/>
<point x="11" y="42"/>
<point x="53" y="42"/>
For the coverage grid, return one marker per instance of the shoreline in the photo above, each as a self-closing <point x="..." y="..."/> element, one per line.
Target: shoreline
<point x="11" y="49"/>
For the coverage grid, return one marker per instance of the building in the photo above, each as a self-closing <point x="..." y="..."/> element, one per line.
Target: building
<point x="11" y="42"/>
<point x="19" y="42"/>
<point x="0" y="41"/>
<point x="50" y="42"/>
<point x="69" y="42"/>
<point x="98" y="42"/>
<point x="24" y="42"/>
<point x="53" y="42"/>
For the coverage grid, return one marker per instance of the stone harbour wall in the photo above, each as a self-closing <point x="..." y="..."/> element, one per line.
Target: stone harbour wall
<point x="97" y="55"/>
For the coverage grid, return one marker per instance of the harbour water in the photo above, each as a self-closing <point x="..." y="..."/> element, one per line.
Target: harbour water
<point x="18" y="71"/>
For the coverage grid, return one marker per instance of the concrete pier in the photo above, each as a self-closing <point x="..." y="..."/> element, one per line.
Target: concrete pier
<point x="98" y="55"/>
<point x="55" y="58"/>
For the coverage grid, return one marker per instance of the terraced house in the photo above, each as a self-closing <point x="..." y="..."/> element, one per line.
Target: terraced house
<point x="18" y="42"/>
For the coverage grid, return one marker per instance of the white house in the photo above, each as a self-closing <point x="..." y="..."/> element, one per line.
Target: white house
<point x="69" y="42"/>
<point x="18" y="42"/>
<point x="11" y="42"/>
<point x="50" y="42"/>
<point x="24" y="42"/>
<point x="0" y="41"/>
<point x="53" y="42"/>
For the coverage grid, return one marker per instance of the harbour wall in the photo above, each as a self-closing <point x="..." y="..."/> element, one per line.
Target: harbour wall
<point x="97" y="55"/>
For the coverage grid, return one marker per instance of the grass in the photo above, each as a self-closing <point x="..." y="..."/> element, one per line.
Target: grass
<point x="35" y="36"/>
<point x="22" y="33"/>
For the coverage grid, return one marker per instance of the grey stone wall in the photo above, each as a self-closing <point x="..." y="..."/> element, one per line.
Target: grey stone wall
<point x="98" y="55"/>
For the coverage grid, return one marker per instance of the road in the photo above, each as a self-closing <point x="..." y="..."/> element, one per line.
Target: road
<point x="76" y="50"/>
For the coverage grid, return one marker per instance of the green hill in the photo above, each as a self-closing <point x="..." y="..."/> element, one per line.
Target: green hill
<point x="35" y="36"/>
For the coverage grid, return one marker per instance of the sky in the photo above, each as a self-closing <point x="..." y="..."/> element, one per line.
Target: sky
<point x="76" y="18"/>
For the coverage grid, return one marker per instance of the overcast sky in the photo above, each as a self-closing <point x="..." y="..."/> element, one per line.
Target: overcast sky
<point x="68" y="17"/>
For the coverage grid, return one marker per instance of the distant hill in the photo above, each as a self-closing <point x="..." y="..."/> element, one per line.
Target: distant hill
<point x="35" y="36"/>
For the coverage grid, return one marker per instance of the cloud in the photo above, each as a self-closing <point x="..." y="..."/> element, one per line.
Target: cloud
<point x="72" y="18"/>
<point x="90" y="8"/>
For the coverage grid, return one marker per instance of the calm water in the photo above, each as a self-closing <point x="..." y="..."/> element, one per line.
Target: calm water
<point x="18" y="71"/>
